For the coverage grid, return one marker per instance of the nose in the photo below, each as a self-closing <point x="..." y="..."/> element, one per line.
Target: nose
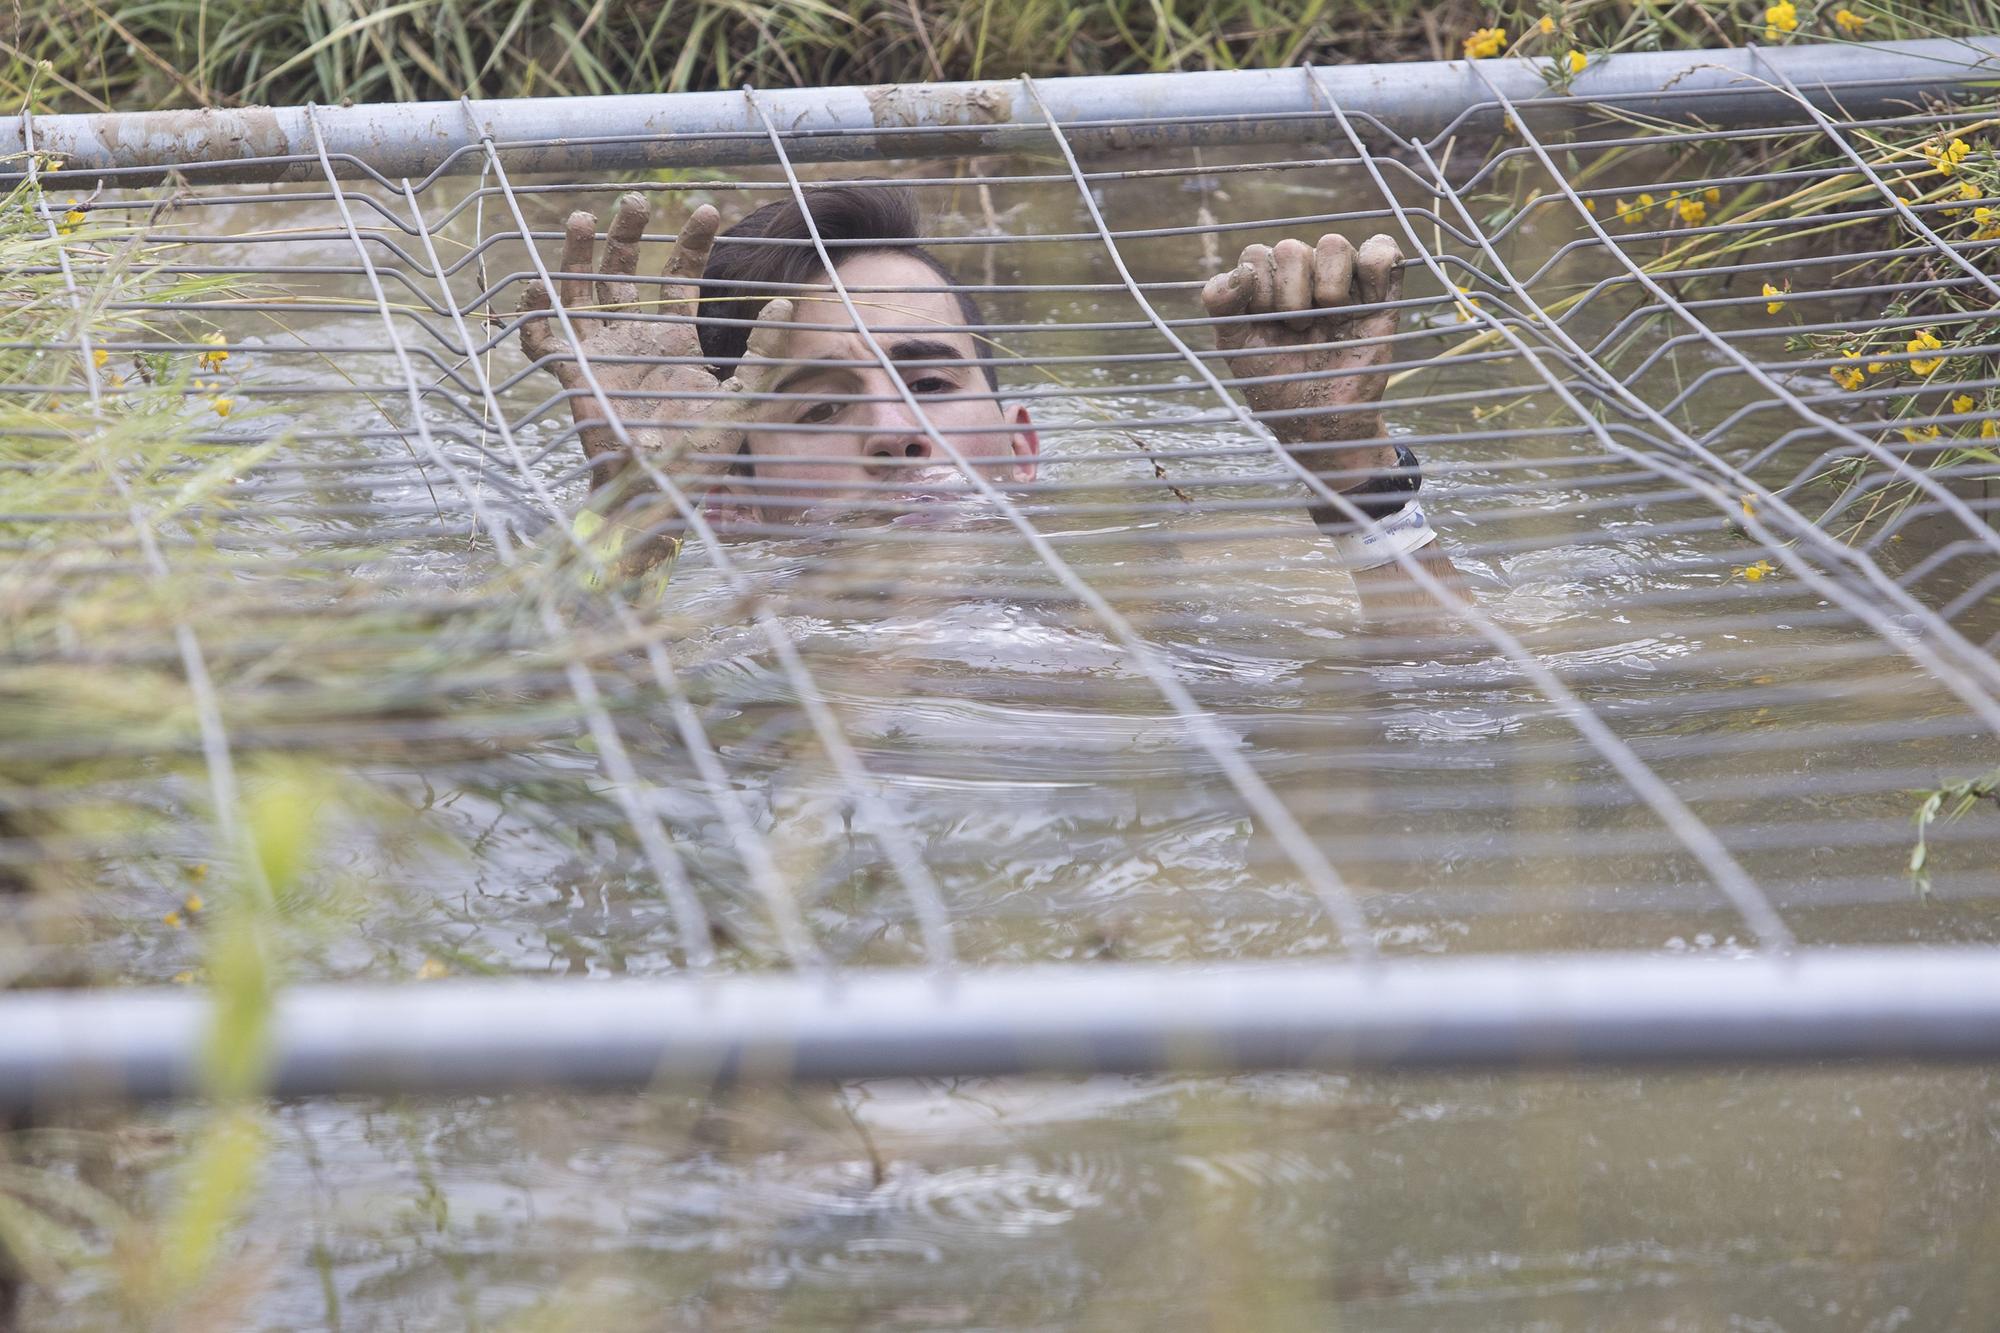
<point x="900" y="446"/>
<point x="896" y="434"/>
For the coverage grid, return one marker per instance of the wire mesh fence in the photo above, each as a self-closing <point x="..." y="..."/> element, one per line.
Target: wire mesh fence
<point x="1705" y="406"/>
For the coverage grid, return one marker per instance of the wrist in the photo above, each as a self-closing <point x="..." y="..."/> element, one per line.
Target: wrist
<point x="1391" y="485"/>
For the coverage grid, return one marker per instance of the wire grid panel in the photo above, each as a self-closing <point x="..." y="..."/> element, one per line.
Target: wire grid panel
<point x="1700" y="416"/>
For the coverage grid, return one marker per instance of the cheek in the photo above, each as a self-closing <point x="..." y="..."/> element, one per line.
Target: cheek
<point x="808" y="456"/>
<point x="994" y="434"/>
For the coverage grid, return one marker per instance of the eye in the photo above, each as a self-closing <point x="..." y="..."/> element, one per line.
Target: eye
<point x="819" y="412"/>
<point x="931" y="384"/>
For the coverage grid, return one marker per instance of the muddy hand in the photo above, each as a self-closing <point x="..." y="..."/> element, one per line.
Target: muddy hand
<point x="625" y="352"/>
<point x="1314" y="312"/>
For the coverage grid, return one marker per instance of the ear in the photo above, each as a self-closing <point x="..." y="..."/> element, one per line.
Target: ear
<point x="1027" y="445"/>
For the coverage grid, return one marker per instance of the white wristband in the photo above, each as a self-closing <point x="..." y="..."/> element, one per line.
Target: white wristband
<point x="1404" y="531"/>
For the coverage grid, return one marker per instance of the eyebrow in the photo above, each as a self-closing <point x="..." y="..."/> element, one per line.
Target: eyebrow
<point x="903" y="349"/>
<point x="923" y="349"/>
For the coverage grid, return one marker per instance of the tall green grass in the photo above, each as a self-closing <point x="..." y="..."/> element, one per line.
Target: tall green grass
<point x="136" y="54"/>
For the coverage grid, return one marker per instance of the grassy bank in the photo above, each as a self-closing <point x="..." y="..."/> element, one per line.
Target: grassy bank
<point x="131" y="54"/>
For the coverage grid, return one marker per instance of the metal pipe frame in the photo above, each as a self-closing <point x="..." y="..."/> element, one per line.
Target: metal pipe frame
<point x="617" y="133"/>
<point x="1476" y="1012"/>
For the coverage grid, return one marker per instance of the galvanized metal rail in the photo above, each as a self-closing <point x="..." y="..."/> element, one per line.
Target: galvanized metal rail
<point x="1505" y="1013"/>
<point x="582" y="135"/>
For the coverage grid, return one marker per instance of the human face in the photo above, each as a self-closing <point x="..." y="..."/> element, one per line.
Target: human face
<point x="878" y="451"/>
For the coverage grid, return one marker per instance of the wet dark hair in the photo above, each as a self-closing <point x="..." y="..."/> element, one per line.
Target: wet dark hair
<point x="884" y="213"/>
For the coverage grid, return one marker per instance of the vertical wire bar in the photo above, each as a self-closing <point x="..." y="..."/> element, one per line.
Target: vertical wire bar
<point x="690" y="919"/>
<point x="1979" y="663"/>
<point x="1325" y="881"/>
<point x="217" y="759"/>
<point x="927" y="902"/>
<point x="751" y="844"/>
<point x="1689" y="829"/>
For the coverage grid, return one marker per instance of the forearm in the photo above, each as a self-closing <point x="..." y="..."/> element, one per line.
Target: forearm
<point x="1391" y="593"/>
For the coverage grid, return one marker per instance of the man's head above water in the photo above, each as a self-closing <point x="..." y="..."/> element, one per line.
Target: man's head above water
<point x="812" y="418"/>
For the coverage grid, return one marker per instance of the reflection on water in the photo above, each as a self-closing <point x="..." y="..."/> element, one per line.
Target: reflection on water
<point x="1067" y="815"/>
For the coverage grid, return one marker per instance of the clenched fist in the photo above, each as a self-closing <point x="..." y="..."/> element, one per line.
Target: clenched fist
<point x="1311" y="329"/>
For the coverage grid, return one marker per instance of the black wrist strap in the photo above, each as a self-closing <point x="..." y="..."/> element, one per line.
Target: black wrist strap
<point x="1381" y="496"/>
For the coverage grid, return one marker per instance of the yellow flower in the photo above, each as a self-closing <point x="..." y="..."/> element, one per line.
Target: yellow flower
<point x="1590" y="206"/>
<point x="73" y="219"/>
<point x="1693" y="211"/>
<point x="1485" y="42"/>
<point x="1749" y="505"/>
<point x="197" y="872"/>
<point x="1547" y="25"/>
<point x="1967" y="190"/>
<point x="1989" y="429"/>
<point x="1713" y="194"/>
<point x="1466" y="299"/>
<point x="1849" y="22"/>
<point x="54" y="164"/>
<point x="1849" y="378"/>
<point x="1780" y="18"/>
<point x="222" y="406"/>
<point x="1575" y="61"/>
<point x="192" y="905"/>
<point x="173" y="919"/>
<point x="1963" y="404"/>
<point x="1925" y="341"/>
<point x="432" y="970"/>
<point x="98" y="356"/>
<point x="1945" y="155"/>
<point x="1982" y="215"/>
<point x="1772" y="307"/>
<point x="216" y="354"/>
<point x="1755" y="573"/>
<point x="1916" y="436"/>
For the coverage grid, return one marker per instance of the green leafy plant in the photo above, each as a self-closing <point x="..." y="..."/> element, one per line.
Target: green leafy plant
<point x="1946" y="803"/>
